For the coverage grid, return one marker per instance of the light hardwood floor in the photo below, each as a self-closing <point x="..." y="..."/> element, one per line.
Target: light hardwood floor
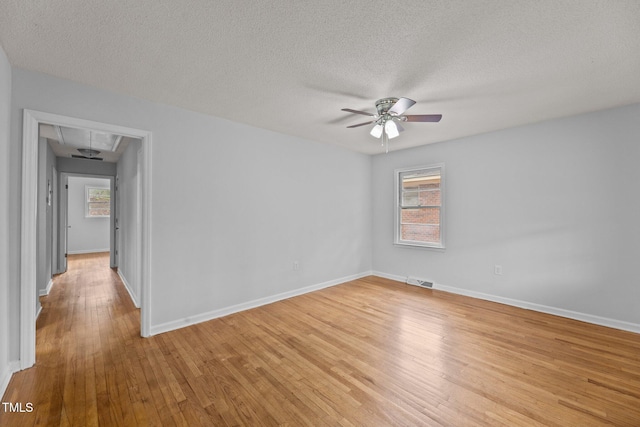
<point x="370" y="352"/>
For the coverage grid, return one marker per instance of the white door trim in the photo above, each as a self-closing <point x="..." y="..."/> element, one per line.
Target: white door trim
<point x="63" y="226"/>
<point x="55" y="224"/>
<point x="28" y="234"/>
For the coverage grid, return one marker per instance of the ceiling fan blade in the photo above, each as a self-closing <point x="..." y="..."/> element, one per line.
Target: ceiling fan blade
<point x="401" y="105"/>
<point x="423" y="118"/>
<point x="364" y="113"/>
<point x="360" y="124"/>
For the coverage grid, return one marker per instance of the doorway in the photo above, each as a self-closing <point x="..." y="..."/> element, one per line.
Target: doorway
<point x="88" y="221"/>
<point x="82" y="228"/>
<point x="28" y="257"/>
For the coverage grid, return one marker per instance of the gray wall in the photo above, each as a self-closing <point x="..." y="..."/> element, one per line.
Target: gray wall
<point x="128" y="251"/>
<point x="5" y="224"/>
<point x="85" y="235"/>
<point x="555" y="203"/>
<point x="233" y="206"/>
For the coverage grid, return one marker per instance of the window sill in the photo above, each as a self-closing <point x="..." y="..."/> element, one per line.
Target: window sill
<point x="418" y="245"/>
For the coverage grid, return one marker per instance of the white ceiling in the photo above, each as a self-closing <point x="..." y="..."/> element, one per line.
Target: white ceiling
<point x="290" y="66"/>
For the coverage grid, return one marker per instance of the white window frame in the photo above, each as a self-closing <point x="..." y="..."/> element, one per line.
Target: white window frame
<point x="398" y="207"/>
<point x="87" y="189"/>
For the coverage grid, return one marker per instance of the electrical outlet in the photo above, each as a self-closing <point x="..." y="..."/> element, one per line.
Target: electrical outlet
<point x="296" y="265"/>
<point x="497" y="269"/>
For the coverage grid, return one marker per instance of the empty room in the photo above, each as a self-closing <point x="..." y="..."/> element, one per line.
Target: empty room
<point x="370" y="213"/>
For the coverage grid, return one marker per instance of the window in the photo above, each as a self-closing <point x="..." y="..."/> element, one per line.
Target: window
<point x="98" y="203"/>
<point x="419" y="206"/>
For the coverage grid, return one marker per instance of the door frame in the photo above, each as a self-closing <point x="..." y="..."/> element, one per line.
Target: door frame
<point x="28" y="234"/>
<point x="55" y="224"/>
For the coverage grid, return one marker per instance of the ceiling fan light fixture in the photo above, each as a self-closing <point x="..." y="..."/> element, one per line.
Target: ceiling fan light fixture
<point x="391" y="129"/>
<point x="88" y="152"/>
<point x="390" y="112"/>
<point x="376" y="132"/>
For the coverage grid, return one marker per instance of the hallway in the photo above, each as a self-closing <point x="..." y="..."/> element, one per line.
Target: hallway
<point x="83" y="352"/>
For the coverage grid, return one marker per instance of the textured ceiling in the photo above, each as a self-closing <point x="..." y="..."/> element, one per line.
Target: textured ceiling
<point x="290" y="66"/>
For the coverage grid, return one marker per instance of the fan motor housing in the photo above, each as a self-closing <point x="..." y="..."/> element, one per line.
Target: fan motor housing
<point x="383" y="105"/>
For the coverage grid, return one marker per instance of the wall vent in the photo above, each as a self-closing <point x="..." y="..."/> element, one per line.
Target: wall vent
<point x="419" y="282"/>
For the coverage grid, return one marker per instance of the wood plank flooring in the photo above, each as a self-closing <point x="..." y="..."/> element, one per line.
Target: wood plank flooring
<point x="371" y="352"/>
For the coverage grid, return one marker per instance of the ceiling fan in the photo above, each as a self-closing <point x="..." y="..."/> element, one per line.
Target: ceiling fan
<point x="390" y="111"/>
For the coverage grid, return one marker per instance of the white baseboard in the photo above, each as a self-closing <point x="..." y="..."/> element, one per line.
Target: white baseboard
<point x="583" y="317"/>
<point x="88" y="251"/>
<point x="390" y="276"/>
<point x="5" y="377"/>
<point x="38" y="312"/>
<point x="127" y="286"/>
<point x="203" y="317"/>
<point x="45" y="292"/>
